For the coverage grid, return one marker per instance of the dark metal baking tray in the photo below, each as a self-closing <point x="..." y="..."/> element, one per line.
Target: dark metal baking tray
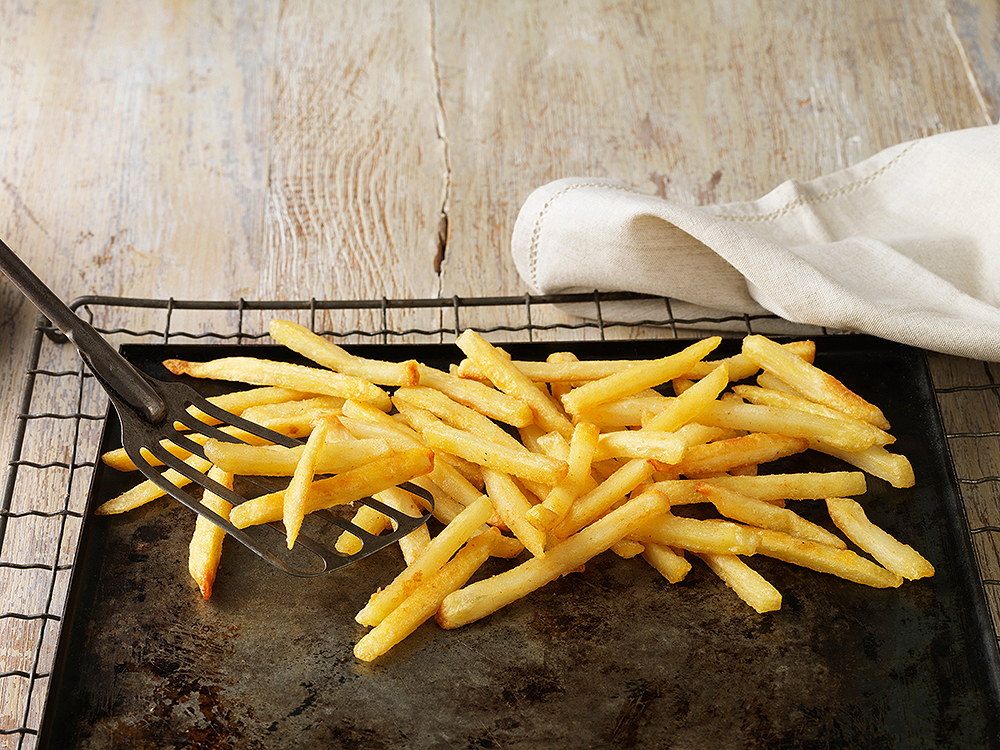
<point x="613" y="657"/>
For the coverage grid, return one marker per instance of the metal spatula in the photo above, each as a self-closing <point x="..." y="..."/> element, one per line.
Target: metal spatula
<point x="150" y="408"/>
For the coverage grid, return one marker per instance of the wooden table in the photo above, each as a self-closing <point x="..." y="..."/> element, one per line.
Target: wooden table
<point x="297" y="150"/>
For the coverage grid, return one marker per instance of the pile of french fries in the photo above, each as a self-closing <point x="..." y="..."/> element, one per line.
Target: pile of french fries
<point x="550" y="464"/>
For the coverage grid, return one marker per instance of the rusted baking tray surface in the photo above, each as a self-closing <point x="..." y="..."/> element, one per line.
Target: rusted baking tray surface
<point x="613" y="657"/>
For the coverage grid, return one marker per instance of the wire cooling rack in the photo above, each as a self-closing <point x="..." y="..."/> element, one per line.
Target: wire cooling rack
<point x="62" y="409"/>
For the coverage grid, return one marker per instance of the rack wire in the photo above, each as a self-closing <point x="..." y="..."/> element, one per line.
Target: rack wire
<point x="62" y="410"/>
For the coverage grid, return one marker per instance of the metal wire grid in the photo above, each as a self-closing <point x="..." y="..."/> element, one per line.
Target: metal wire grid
<point x="62" y="405"/>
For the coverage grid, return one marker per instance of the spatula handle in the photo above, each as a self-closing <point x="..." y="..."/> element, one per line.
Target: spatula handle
<point x="109" y="367"/>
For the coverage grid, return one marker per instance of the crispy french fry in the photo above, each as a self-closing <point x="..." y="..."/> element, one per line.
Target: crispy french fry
<point x="670" y="564"/>
<point x="721" y="456"/>
<point x="205" y="549"/>
<point x="147" y="491"/>
<point x="507" y="378"/>
<point x="629" y="410"/>
<point x="279" y="461"/>
<point x="311" y="346"/>
<point x="580" y="456"/>
<point x="638" y="377"/>
<point x="283" y="374"/>
<point x="479" y="450"/>
<point x="482" y="598"/>
<point x="665" y="447"/>
<point x="426" y="599"/>
<point x="819" y="557"/>
<point x="810" y="381"/>
<point x="741" y="368"/>
<point x="297" y="493"/>
<point x="367" y="519"/>
<point x="512" y="506"/>
<point x="340" y="489"/>
<point x="754" y="512"/>
<point x="698" y="535"/>
<point x="689" y="404"/>
<point x="749" y="585"/>
<point x="591" y="506"/>
<point x="437" y="553"/>
<point x="772" y="487"/>
<point x="839" y="433"/>
<point x="484" y="399"/>
<point x="900" y="558"/>
<point x="895" y="468"/>
<point x="413" y="543"/>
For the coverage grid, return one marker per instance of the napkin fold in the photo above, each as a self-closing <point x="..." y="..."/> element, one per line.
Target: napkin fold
<point x="904" y="245"/>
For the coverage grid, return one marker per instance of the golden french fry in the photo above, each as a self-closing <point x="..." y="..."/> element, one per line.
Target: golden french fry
<point x="819" y="557"/>
<point x="512" y="506"/>
<point x="850" y="517"/>
<point x="628" y="411"/>
<point x="238" y="402"/>
<point x="311" y="346"/>
<point x="755" y="512"/>
<point x="665" y="447"/>
<point x="413" y="543"/>
<point x="297" y="493"/>
<point x="437" y="553"/>
<point x="367" y="519"/>
<point x="637" y="378"/>
<point x="628" y="548"/>
<point x="479" y="599"/>
<point x="894" y="468"/>
<point x="205" y="549"/>
<point x="613" y="490"/>
<point x="340" y="489"/>
<point x="810" y="381"/>
<point x="580" y="456"/>
<point x="756" y="394"/>
<point x="772" y="487"/>
<point x="284" y="374"/>
<point x="698" y="535"/>
<point x="741" y="368"/>
<point x="484" y="399"/>
<point x="689" y="404"/>
<point x="147" y="491"/>
<point x="426" y="599"/>
<point x="507" y="378"/>
<point x="450" y="411"/>
<point x="479" y="450"/>
<point x="721" y="456"/>
<point x="749" y="585"/>
<point x="280" y="461"/>
<point x="670" y="564"/>
<point x="838" y="433"/>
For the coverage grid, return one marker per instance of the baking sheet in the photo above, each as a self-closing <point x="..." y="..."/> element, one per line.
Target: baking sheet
<point x="613" y="657"/>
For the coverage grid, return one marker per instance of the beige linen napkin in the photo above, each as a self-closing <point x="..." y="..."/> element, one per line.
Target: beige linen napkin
<point x="904" y="245"/>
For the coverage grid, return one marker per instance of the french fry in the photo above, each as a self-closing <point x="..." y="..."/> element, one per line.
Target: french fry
<point x="689" y="404"/>
<point x="482" y="598"/>
<point x="413" y="543"/>
<point x="850" y="517"/>
<point x="754" y="512"/>
<point x="479" y="450"/>
<point x="512" y="506"/>
<point x="722" y="455"/>
<point x="435" y="555"/>
<point x="580" y="456"/>
<point x="741" y="368"/>
<point x="637" y="378"/>
<point x="484" y="399"/>
<point x="340" y="489"/>
<point x="819" y="557"/>
<point x="280" y="461"/>
<point x="810" y="381"/>
<point x="749" y="585"/>
<point x="629" y="410"/>
<point x="297" y="493"/>
<point x="311" y="346"/>
<point x="426" y="599"/>
<point x="367" y="519"/>
<point x="767" y="397"/>
<point x="895" y="468"/>
<point x="238" y="402"/>
<point x="698" y="535"/>
<point x="772" y="487"/>
<point x="507" y="378"/>
<point x="665" y="447"/>
<point x="450" y="411"/>
<point x="671" y="565"/>
<point x="147" y="491"/>
<point x="838" y="433"/>
<point x="283" y="374"/>
<point x="205" y="549"/>
<point x="613" y="490"/>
